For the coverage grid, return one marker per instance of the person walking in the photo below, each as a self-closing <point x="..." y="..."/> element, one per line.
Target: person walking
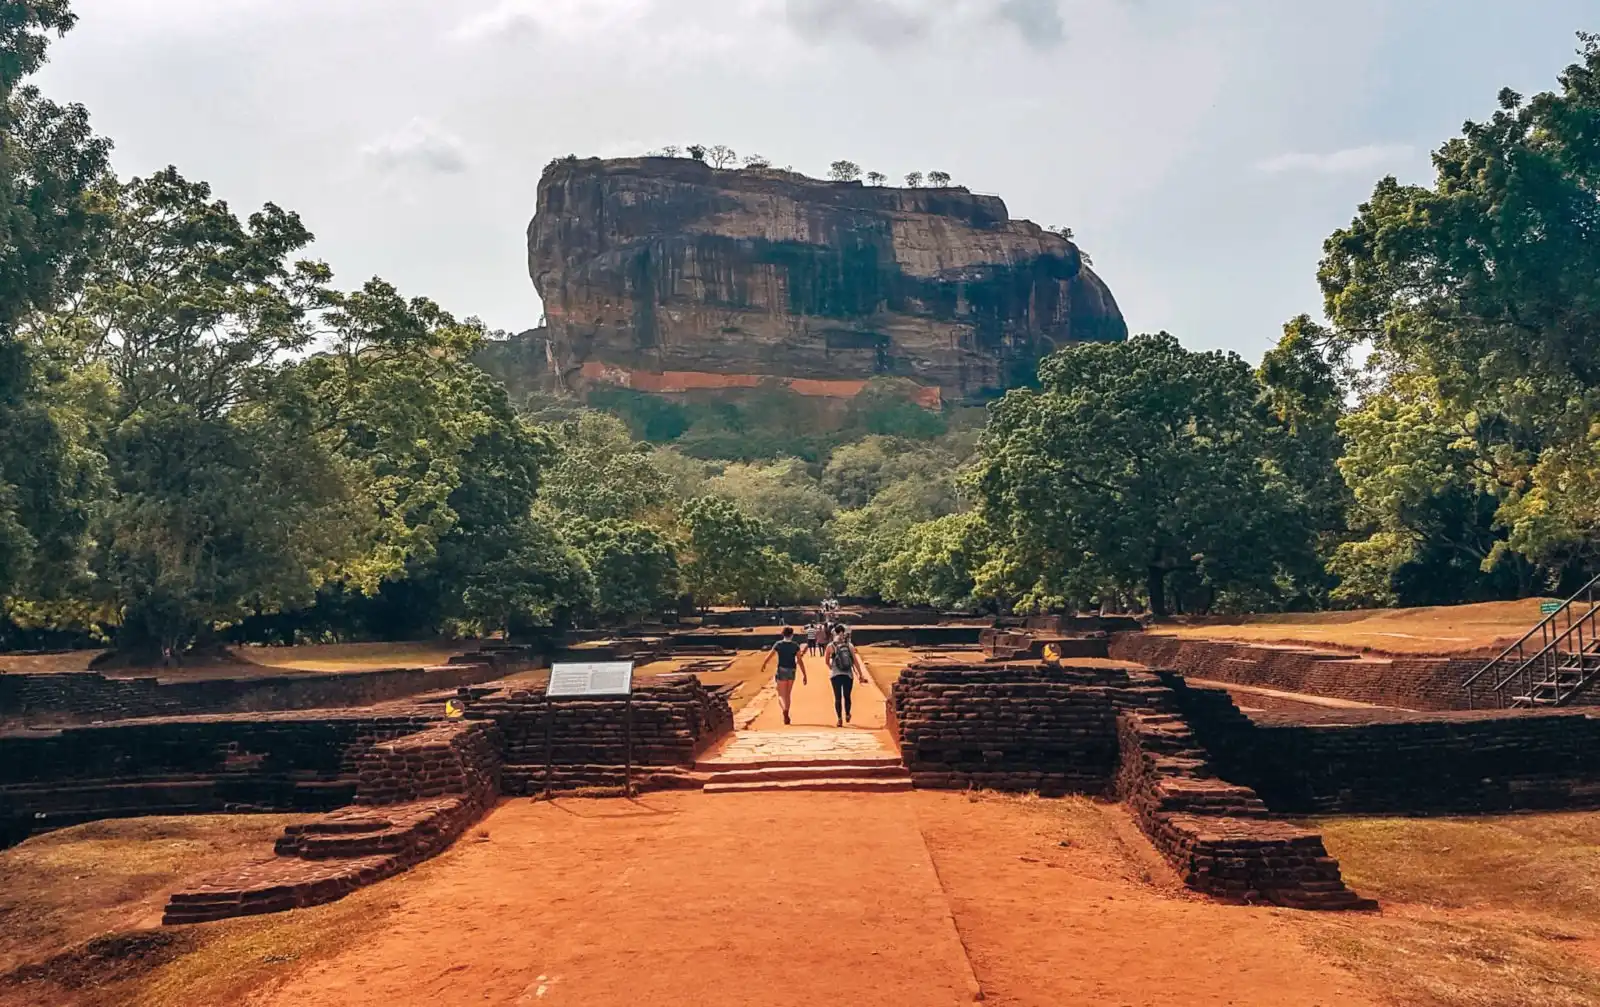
<point x="844" y="671"/>
<point x="813" y="635"/>
<point x="787" y="651"/>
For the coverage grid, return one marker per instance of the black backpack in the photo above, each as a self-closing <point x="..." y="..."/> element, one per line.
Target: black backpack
<point x="843" y="659"/>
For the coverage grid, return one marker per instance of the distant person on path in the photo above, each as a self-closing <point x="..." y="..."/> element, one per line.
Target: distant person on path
<point x="814" y="638"/>
<point x="789" y="661"/>
<point x="844" y="670"/>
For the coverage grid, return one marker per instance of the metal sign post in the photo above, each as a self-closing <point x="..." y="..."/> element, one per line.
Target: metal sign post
<point x="574" y="680"/>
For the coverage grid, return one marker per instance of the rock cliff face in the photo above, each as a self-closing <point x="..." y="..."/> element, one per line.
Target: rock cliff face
<point x="666" y="274"/>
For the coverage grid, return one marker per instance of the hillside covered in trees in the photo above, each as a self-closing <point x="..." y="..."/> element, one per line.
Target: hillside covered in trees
<point x="204" y="437"/>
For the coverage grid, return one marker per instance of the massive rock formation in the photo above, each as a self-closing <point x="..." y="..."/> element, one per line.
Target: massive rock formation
<point x="668" y="275"/>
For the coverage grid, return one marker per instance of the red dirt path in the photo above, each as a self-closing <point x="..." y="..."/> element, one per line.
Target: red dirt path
<point x="774" y="899"/>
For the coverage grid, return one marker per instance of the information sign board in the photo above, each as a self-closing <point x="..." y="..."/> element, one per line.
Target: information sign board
<point x="1549" y="607"/>
<point x="597" y="678"/>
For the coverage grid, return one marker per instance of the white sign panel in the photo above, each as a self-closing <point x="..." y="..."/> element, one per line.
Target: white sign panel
<point x="599" y="678"/>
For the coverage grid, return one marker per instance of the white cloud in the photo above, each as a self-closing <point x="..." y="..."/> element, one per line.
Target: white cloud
<point x="507" y="18"/>
<point x="1338" y="162"/>
<point x="883" y="23"/>
<point x="563" y="18"/>
<point x="1039" y="21"/>
<point x="887" y="24"/>
<point x="419" y="146"/>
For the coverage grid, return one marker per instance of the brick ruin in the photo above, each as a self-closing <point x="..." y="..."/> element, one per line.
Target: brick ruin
<point x="1214" y="787"/>
<point x="1110" y="732"/>
<point x="1413" y="683"/>
<point x="675" y="719"/>
<point x="61" y="698"/>
<point x="416" y="796"/>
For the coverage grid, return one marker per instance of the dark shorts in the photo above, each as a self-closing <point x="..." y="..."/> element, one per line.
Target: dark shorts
<point x="786" y="674"/>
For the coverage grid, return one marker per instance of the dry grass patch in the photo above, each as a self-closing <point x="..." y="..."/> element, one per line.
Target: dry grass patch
<point x="1446" y="629"/>
<point x="62" y="888"/>
<point x="1546" y="863"/>
<point x="355" y="656"/>
<point x="80" y="912"/>
<point x="1478" y="912"/>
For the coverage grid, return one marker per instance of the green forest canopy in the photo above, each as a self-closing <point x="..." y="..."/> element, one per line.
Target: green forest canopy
<point x="203" y="436"/>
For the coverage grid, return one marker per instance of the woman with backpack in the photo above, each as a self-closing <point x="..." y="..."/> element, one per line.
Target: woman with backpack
<point x="844" y="671"/>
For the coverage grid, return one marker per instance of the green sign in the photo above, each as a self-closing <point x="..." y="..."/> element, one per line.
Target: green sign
<point x="1550" y="607"/>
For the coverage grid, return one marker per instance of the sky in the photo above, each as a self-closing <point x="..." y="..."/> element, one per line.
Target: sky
<point x="1201" y="150"/>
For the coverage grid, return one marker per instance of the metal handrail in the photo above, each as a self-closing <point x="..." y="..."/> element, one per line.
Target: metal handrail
<point x="1529" y="635"/>
<point x="1574" y="627"/>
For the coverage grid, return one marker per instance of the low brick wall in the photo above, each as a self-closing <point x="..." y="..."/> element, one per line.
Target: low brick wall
<point x="1415" y="683"/>
<point x="450" y="758"/>
<point x="1217" y="835"/>
<point x="1389" y="762"/>
<point x="306" y="761"/>
<point x="417" y="795"/>
<point x="675" y="719"/>
<point x="1013" y="727"/>
<point x="84" y="697"/>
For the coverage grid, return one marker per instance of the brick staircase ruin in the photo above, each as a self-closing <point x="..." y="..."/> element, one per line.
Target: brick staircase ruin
<point x="1217" y="835"/>
<point x="1057" y="729"/>
<point x="416" y="796"/>
<point x="789" y="761"/>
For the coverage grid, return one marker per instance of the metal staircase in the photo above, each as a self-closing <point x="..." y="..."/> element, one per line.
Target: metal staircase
<point x="1555" y="661"/>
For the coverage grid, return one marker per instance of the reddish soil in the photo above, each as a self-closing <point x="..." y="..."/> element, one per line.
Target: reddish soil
<point x="762" y="899"/>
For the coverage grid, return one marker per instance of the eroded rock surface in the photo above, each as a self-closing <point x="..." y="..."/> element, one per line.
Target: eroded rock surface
<point x="651" y="266"/>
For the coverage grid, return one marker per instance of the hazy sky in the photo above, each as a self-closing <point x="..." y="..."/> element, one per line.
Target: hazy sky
<point x="1201" y="149"/>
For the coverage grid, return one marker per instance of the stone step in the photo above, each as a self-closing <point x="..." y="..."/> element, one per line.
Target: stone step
<point x="783" y="762"/>
<point x="779" y="774"/>
<point x="855" y="784"/>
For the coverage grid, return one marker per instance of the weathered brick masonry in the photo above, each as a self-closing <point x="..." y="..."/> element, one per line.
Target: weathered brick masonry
<point x="84" y="697"/>
<point x="1413" y="683"/>
<point x="1014" y="727"/>
<point x="1094" y="730"/>
<point x="675" y="718"/>
<point x="1391" y="762"/>
<point x="1217" y="835"/>
<point x="417" y="795"/>
<point x="301" y="761"/>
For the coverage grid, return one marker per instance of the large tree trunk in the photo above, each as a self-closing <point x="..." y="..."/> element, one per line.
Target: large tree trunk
<point x="1156" y="586"/>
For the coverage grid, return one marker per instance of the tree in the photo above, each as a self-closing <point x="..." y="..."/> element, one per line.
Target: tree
<point x="785" y="497"/>
<point x="671" y="150"/>
<point x="937" y="562"/>
<point x="219" y="501"/>
<point x="876" y="178"/>
<point x="756" y="162"/>
<point x="844" y="171"/>
<point x="857" y="472"/>
<point x="634" y="565"/>
<point x="1060" y="230"/>
<point x="914" y="180"/>
<point x="601" y="472"/>
<point x="1303" y="397"/>
<point x="1133" y="465"/>
<point x="534" y="581"/>
<point x="939" y="179"/>
<point x="1480" y="298"/>
<point x="727" y="551"/>
<point x="721" y="156"/>
<point x="447" y="466"/>
<point x="697" y="151"/>
<point x="50" y="161"/>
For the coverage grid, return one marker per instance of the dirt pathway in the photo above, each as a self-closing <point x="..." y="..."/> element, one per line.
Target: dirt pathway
<point x="1101" y="921"/>
<point x="772" y="899"/>
<point x="760" y="899"/>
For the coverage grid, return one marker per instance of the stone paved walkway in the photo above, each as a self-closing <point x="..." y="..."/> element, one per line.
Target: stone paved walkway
<point x="812" y="736"/>
<point x="820" y="746"/>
